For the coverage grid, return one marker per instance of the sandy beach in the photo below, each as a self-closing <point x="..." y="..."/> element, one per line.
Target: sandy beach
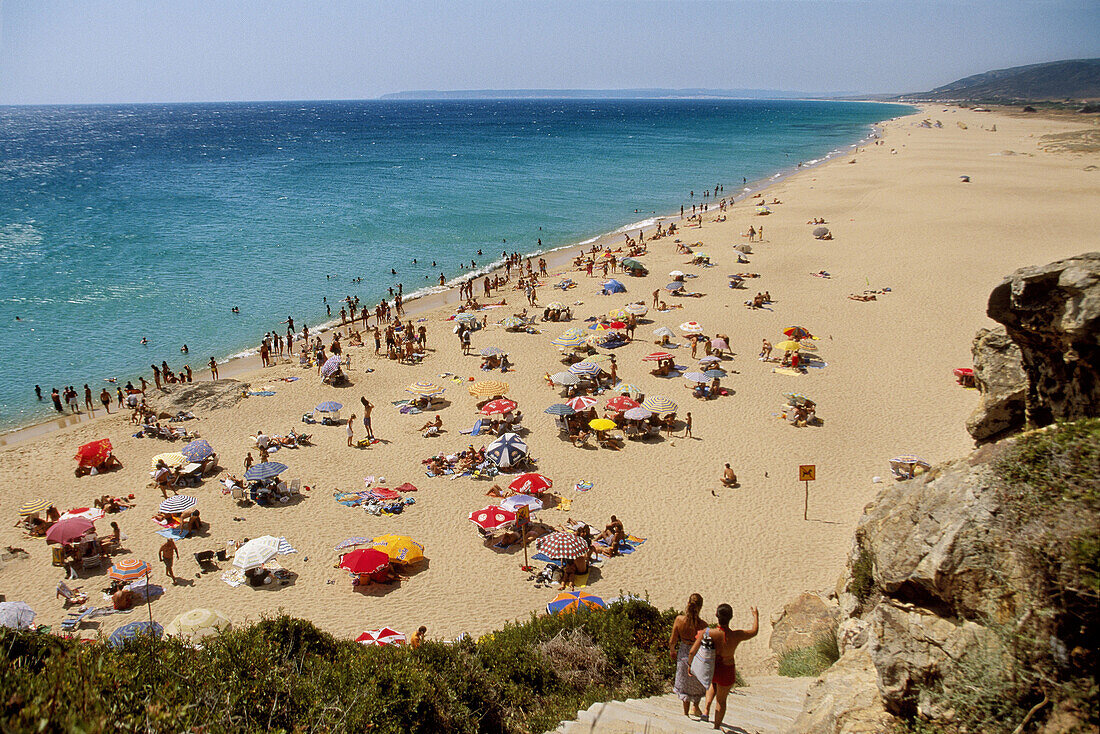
<point x="901" y="218"/>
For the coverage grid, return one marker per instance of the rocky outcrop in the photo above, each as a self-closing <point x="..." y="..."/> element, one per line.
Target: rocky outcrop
<point x="844" y="700"/>
<point x="1000" y="378"/>
<point x="1052" y="312"/>
<point x="196" y="396"/>
<point x="802" y="622"/>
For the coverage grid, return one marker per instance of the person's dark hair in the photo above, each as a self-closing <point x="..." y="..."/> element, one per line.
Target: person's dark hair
<point x="724" y="614"/>
<point x="422" y="629"/>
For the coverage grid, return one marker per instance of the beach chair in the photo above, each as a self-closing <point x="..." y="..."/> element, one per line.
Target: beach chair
<point x="71" y="596"/>
<point x="89" y="562"/>
<point x="205" y="559"/>
<point x="295" y="486"/>
<point x="476" y="430"/>
<point x="240" y="497"/>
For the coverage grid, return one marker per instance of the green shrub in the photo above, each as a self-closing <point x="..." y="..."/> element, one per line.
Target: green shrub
<point x="863" y="575"/>
<point x="812" y="660"/>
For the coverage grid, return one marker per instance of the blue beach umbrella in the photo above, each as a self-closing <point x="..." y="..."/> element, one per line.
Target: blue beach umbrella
<point x="677" y="286"/>
<point x="572" y="601"/>
<point x="614" y="286"/>
<point x="329" y="407"/>
<point x="265" y="470"/>
<point x="559" y="409"/>
<point x="331" y="365"/>
<point x="132" y="631"/>
<point x="585" y="368"/>
<point x="17" y="615"/>
<point x="198" y="450"/>
<point x="695" y="377"/>
<point x="712" y="373"/>
<point x="507" y="450"/>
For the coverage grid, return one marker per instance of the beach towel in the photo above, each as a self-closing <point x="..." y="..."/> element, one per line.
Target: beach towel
<point x="234" y="577"/>
<point x="260" y="393"/>
<point x="785" y="371"/>
<point x="173" y="533"/>
<point x="583" y="485"/>
<point x="564" y="504"/>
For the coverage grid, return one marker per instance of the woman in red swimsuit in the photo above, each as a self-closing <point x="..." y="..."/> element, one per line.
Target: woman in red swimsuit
<point x="726" y="641"/>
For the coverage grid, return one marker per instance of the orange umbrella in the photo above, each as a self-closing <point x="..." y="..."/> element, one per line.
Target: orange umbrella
<point x="95" y="453"/>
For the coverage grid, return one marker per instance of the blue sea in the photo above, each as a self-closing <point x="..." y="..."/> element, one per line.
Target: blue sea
<point x="125" y="222"/>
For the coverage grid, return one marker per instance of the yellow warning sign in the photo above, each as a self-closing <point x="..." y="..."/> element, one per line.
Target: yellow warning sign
<point x="807" y="472"/>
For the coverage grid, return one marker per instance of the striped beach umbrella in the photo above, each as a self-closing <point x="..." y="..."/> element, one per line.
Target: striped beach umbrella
<point x="400" y="548"/>
<point x="264" y="470"/>
<point x="507" y="450"/>
<point x="490" y="517"/>
<point x="710" y="360"/>
<point x="565" y="378"/>
<point x="491" y="351"/>
<point x="562" y="546"/>
<point x="465" y="318"/>
<point x="637" y="414"/>
<point x="622" y="403"/>
<point x="531" y="483"/>
<point x="696" y="377"/>
<point x="573" y="337"/>
<point x="560" y="410"/>
<point x="198" y="450"/>
<point x="351" y="543"/>
<point x="94" y="453"/>
<point x="172" y="459"/>
<point x="627" y="387"/>
<point x="331" y="365"/>
<point x="16" y="615"/>
<point x="34" y="507"/>
<point x="585" y="368"/>
<point x="517" y="501"/>
<point x="808" y="346"/>
<point x="572" y="601"/>
<point x="663" y="331"/>
<point x="424" y="388"/>
<point x="556" y="306"/>
<point x="798" y="332"/>
<point x="129" y="569"/>
<point x="329" y="406"/>
<point x="500" y="406"/>
<point x="512" y="322"/>
<point x="197" y="624"/>
<point x="659" y="404"/>
<point x="657" y="357"/>
<point x="256" y="552"/>
<point x="581" y="402"/>
<point x="178" y="503"/>
<point x="365" y="560"/>
<point x="691" y="327"/>
<point x="381" y="637"/>
<point x="488" y="388"/>
<point x="618" y="314"/>
<point x="132" y="631"/>
<point x="636" y="309"/>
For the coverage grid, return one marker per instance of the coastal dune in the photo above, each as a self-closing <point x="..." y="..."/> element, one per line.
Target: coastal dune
<point x="901" y="218"/>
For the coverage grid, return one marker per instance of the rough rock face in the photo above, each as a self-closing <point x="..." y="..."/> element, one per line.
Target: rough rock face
<point x="844" y="700"/>
<point x="1053" y="313"/>
<point x="802" y="622"/>
<point x="192" y="396"/>
<point x="999" y="373"/>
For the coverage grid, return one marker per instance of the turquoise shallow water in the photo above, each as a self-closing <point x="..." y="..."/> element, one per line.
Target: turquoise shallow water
<point x="123" y="222"/>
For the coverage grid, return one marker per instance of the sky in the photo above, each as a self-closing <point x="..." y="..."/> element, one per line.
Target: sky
<point x="114" y="51"/>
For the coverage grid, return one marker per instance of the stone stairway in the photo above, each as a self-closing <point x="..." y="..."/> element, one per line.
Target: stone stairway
<point x="767" y="705"/>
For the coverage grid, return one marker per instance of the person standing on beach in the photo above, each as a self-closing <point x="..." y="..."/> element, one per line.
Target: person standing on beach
<point x="684" y="631"/>
<point x="656" y="293"/>
<point x="105" y="398"/>
<point x="687" y="426"/>
<point x="168" y="555"/>
<point x="121" y="398"/>
<point x="725" y="642"/>
<point x="89" y="403"/>
<point x="55" y="396"/>
<point x="70" y="398"/>
<point x="351" y="429"/>
<point x="213" y="369"/>
<point x="156" y="375"/>
<point x="367" y="408"/>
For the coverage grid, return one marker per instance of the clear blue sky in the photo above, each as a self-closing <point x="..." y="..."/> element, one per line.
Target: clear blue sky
<point x="78" y="51"/>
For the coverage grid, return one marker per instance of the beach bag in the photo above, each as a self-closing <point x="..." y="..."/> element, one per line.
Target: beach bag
<point x="702" y="665"/>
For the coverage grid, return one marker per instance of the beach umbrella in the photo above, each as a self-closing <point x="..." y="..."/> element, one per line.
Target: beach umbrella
<point x="585" y="368"/>
<point x="69" y="530"/>
<point x="910" y="459"/>
<point x="820" y="232"/>
<point x="197" y="624"/>
<point x="556" y="306"/>
<point x="659" y="404"/>
<point x="763" y="210"/>
<point x="637" y="414"/>
<point x="517" y="501"/>
<point x="663" y="331"/>
<point x="381" y="637"/>
<point x="178" y="503"/>
<point x="17" y="615"/>
<point x="489" y="518"/>
<point x="573" y="337"/>
<point x="598" y="326"/>
<point x="572" y="601"/>
<point x="500" y="406"/>
<point x="581" y="402"/>
<point x="789" y="345"/>
<point x="34" y="507"/>
<point x="560" y="410"/>
<point x="691" y="327"/>
<point x="597" y="338"/>
<point x="618" y="314"/>
<point x="808" y="346"/>
<point x="700" y="253"/>
<point x="562" y="546"/>
<point x="626" y="387"/>
<point x="331" y="366"/>
<point x="488" y="388"/>
<point x="171" y="459"/>
<point x="365" y="560"/>
<point x="719" y="344"/>
<point x="132" y="631"/>
<point x="675" y="286"/>
<point x="350" y="543"/>
<point x="798" y="332"/>
<point x="676" y="274"/>
<point x="264" y="470"/>
<point x="657" y="357"/>
<point x="199" y="450"/>
<point x="696" y="377"/>
<point x="129" y="569"/>
<point x="465" y="318"/>
<point x="621" y="403"/>
<point x="614" y="286"/>
<point x="507" y="450"/>
<point x="512" y="322"/>
<point x="796" y="398"/>
<point x="400" y="548"/>
<point x="709" y="360"/>
<point x="256" y="552"/>
<point x="92" y="514"/>
<point x="531" y="483"/>
<point x="601" y="424"/>
<point x="95" y="453"/>
<point x="636" y="309"/>
<point x="713" y="373"/>
<point x="491" y="351"/>
<point x="616" y="326"/>
<point x="744" y="248"/>
<point x="424" y="388"/>
<point x="329" y="406"/>
<point x="565" y="378"/>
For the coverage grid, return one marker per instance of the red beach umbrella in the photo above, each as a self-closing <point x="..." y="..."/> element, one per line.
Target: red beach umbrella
<point x="616" y="325"/>
<point x="68" y="531"/>
<point x="563" y="546"/>
<point x="491" y="517"/>
<point x="95" y="453"/>
<point x="530" y="483"/>
<point x="657" y="357"/>
<point x="384" y="636"/>
<point x="499" y="406"/>
<point x="622" y="403"/>
<point x="581" y="403"/>
<point x="365" y="560"/>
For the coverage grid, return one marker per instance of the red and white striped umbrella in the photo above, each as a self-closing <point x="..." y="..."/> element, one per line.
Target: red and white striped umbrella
<point x="581" y="402"/>
<point x="129" y="569"/>
<point x="491" y="517"/>
<point x="657" y="357"/>
<point x="499" y="406"/>
<point x="563" y="546"/>
<point x="622" y="403"/>
<point x="384" y="636"/>
<point x="530" y="483"/>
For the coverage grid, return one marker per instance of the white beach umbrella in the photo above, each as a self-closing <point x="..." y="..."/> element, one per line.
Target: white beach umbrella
<point x="256" y="552"/>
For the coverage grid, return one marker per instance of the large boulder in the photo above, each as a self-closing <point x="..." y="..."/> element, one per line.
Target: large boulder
<point x="802" y="622"/>
<point x="1000" y="377"/>
<point x="844" y="700"/>
<point x="192" y="396"/>
<point x="1053" y="312"/>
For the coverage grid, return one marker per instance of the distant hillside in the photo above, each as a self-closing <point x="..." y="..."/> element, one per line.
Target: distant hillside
<point x="1078" y="79"/>
<point x="602" y="94"/>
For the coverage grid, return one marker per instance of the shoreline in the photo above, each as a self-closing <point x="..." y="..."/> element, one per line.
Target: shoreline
<point x="245" y="361"/>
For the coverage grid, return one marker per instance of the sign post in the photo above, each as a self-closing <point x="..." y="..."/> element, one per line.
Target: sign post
<point x="523" y="522"/>
<point x="807" y="473"/>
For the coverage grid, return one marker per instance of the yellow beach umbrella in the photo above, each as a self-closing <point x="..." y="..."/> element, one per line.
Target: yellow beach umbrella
<point x="618" y="314"/>
<point x="171" y="459"/>
<point x="34" y="507"/>
<point x="400" y="548"/>
<point x="424" y="388"/>
<point x="789" y="346"/>
<point x="488" y="388"/>
<point x="601" y="424"/>
<point x="197" y="624"/>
